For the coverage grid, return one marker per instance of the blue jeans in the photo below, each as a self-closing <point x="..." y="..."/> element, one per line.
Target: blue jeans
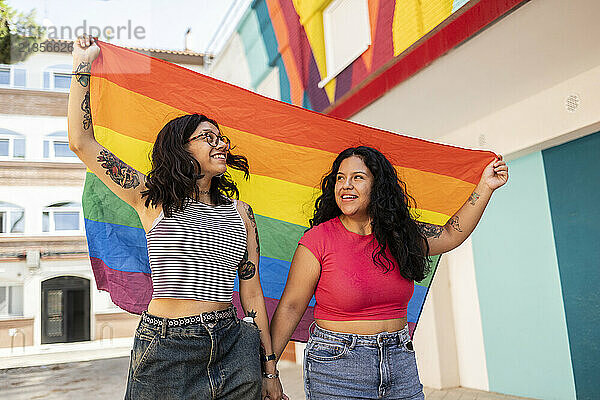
<point x="347" y="366"/>
<point x="198" y="361"/>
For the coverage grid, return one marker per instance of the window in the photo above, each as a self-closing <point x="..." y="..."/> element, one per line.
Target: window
<point x="11" y="301"/>
<point x="56" y="146"/>
<point x="62" y="81"/>
<point x="12" y="218"/>
<point x="12" y="144"/>
<point x="347" y="34"/>
<point x="12" y="76"/>
<point x="58" y="77"/>
<point x="5" y="75"/>
<point x="62" y="217"/>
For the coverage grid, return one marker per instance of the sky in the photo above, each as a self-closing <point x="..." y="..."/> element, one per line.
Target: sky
<point x="149" y="23"/>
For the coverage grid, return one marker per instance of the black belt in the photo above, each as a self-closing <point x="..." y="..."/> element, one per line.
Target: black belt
<point x="204" y="318"/>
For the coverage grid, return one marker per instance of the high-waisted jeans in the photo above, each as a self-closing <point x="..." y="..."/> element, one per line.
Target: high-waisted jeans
<point x="347" y="366"/>
<point x="199" y="361"/>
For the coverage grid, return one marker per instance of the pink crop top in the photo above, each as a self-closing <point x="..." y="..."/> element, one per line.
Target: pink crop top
<point x="352" y="286"/>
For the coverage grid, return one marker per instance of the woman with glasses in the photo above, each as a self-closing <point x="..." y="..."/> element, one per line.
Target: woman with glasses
<point x="360" y="259"/>
<point x="190" y="343"/>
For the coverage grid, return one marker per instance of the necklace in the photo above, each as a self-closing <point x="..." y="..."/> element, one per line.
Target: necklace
<point x="205" y="192"/>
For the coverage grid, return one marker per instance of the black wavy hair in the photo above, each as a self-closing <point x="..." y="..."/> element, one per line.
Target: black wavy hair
<point x="172" y="179"/>
<point x="392" y="225"/>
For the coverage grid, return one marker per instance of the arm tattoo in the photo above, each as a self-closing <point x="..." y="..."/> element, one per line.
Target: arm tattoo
<point x="253" y="221"/>
<point x="121" y="173"/>
<point x="473" y="198"/>
<point x="87" y="112"/>
<point x="453" y="222"/>
<point x="246" y="269"/>
<point x="84" y="80"/>
<point x="430" y="230"/>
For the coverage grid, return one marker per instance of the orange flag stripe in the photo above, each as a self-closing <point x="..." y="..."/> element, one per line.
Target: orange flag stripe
<point x="240" y="109"/>
<point x="306" y="166"/>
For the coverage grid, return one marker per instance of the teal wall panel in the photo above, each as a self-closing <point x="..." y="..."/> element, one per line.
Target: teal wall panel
<point x="573" y="179"/>
<point x="522" y="315"/>
<point x="284" y="82"/>
<point x="254" y="47"/>
<point x="266" y="30"/>
<point x="458" y="4"/>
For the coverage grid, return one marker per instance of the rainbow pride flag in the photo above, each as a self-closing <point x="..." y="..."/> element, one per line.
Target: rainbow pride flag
<point x="289" y="150"/>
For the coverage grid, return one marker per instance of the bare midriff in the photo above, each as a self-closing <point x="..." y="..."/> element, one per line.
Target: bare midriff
<point x="178" y="308"/>
<point x="363" y="327"/>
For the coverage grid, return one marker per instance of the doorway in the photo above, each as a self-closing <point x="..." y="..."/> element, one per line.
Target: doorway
<point x="65" y="309"/>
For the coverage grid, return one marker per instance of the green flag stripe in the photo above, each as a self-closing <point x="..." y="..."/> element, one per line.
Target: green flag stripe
<point x="278" y="239"/>
<point x="432" y="266"/>
<point x="102" y="205"/>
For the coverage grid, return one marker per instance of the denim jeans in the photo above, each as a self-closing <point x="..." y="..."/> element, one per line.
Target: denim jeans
<point x="348" y="366"/>
<point x="199" y="361"/>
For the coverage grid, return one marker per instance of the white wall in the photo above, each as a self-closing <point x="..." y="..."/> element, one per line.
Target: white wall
<point x="231" y="65"/>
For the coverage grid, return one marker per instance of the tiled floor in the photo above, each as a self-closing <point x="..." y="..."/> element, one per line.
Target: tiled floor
<point x="465" y="394"/>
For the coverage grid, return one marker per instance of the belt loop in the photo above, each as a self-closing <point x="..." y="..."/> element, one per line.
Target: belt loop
<point x="353" y="342"/>
<point x="311" y="328"/>
<point x="163" y="331"/>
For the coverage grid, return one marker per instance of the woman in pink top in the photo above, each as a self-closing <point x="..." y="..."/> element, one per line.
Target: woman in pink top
<point x="360" y="259"/>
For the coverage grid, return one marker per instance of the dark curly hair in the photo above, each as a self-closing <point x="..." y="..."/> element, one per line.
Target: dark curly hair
<point x="392" y="225"/>
<point x="172" y="179"/>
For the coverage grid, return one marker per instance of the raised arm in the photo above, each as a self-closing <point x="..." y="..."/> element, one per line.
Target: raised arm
<point x="121" y="179"/>
<point x="458" y="228"/>
<point x="299" y="289"/>
<point x="252" y="298"/>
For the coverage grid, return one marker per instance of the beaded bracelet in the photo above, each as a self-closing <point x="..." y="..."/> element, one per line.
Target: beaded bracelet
<point x="271" y="376"/>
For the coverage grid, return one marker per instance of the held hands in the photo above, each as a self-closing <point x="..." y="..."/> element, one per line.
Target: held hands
<point x="272" y="389"/>
<point x="495" y="174"/>
<point x="85" y="49"/>
<point x="271" y="386"/>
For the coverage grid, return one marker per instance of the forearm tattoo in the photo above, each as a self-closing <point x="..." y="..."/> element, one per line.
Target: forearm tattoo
<point x="253" y="221"/>
<point x="453" y="222"/>
<point x="473" y="198"/>
<point x="246" y="269"/>
<point x="121" y="173"/>
<point x="84" y="80"/>
<point x="430" y="230"/>
<point x="87" y="112"/>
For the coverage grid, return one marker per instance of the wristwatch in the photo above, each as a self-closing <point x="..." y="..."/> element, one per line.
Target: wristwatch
<point x="270" y="357"/>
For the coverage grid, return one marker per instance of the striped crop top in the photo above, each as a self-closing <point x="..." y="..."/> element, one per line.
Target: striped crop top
<point x="194" y="254"/>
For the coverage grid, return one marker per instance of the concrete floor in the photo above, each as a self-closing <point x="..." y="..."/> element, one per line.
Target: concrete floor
<point x="105" y="380"/>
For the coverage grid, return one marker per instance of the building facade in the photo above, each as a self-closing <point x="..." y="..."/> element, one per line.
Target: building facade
<point x="47" y="289"/>
<point x="514" y="309"/>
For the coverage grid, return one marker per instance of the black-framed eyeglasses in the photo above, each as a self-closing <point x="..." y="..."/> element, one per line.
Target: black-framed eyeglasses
<point x="212" y="139"/>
